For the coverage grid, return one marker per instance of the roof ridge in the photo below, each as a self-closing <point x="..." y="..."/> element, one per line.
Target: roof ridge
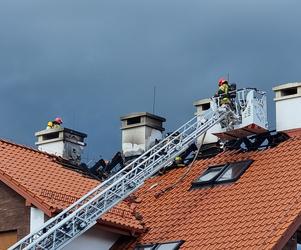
<point x="27" y="147"/>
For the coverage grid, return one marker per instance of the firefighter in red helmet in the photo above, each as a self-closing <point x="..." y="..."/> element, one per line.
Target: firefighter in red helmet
<point x="223" y="92"/>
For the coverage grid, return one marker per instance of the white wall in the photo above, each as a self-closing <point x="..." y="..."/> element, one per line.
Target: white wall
<point x="36" y="219"/>
<point x="288" y="114"/>
<point x="56" y="148"/>
<point x="209" y="137"/>
<point x="133" y="141"/>
<point x="93" y="239"/>
<point x="151" y="135"/>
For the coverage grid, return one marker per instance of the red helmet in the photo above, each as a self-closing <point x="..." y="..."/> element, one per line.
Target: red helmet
<point x="59" y="120"/>
<point x="221" y="81"/>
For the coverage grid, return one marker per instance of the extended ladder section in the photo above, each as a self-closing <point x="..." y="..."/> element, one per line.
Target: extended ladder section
<point x="83" y="214"/>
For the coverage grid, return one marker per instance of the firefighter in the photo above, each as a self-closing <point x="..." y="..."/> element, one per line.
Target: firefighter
<point x="223" y="92"/>
<point x="57" y="123"/>
<point x="179" y="161"/>
<point x="49" y="125"/>
<point x="225" y="101"/>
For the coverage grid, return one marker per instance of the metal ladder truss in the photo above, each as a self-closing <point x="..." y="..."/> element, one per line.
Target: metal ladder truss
<point x="83" y="214"/>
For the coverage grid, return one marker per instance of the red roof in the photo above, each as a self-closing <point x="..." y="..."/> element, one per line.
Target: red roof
<point x="261" y="210"/>
<point x="50" y="186"/>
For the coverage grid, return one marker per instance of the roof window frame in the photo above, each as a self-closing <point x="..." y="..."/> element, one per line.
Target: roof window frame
<point x="156" y="246"/>
<point x="215" y="180"/>
<point x="208" y="170"/>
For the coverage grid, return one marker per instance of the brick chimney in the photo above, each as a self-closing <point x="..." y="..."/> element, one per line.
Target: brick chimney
<point x="288" y="105"/>
<point x="63" y="142"/>
<point x="140" y="132"/>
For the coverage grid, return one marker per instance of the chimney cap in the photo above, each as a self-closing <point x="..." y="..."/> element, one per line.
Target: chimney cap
<point x="287" y="86"/>
<point x="61" y="129"/>
<point x="287" y="91"/>
<point x="201" y="102"/>
<point x="141" y="114"/>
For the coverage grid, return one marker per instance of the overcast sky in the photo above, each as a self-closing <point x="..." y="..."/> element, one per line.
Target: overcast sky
<point x="92" y="61"/>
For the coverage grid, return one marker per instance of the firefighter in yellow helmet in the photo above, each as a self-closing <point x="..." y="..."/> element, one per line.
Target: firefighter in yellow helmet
<point x="49" y="125"/>
<point x="179" y="161"/>
<point x="223" y="92"/>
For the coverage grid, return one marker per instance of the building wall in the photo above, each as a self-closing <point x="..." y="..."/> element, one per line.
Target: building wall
<point x="14" y="215"/>
<point x="94" y="239"/>
<point x="7" y="239"/>
<point x="37" y="219"/>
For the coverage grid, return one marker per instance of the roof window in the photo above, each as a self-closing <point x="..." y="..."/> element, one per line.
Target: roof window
<point x="210" y="174"/>
<point x="229" y="172"/>
<point x="174" y="245"/>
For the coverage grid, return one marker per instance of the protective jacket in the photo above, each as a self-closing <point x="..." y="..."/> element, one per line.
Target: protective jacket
<point x="223" y="92"/>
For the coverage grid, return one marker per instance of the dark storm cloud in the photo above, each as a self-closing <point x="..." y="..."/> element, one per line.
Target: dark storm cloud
<point x="92" y="61"/>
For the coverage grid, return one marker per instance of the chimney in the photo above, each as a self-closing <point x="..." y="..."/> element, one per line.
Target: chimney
<point x="63" y="142"/>
<point x="288" y="104"/>
<point x="201" y="107"/>
<point x="140" y="132"/>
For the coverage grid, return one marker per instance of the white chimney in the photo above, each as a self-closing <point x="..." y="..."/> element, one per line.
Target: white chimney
<point x="140" y="132"/>
<point x="63" y="142"/>
<point x="202" y="106"/>
<point x="288" y="105"/>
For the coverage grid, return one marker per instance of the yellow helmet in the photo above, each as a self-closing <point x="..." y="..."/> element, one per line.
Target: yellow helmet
<point x="178" y="158"/>
<point x="49" y="124"/>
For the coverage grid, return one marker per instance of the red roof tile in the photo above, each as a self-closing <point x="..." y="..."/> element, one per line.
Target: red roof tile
<point x="261" y="210"/>
<point x="48" y="185"/>
<point x="293" y="132"/>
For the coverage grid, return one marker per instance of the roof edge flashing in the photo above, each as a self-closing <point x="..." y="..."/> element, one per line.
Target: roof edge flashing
<point x="142" y="114"/>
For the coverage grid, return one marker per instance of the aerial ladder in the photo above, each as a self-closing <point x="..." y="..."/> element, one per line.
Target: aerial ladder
<point x="84" y="213"/>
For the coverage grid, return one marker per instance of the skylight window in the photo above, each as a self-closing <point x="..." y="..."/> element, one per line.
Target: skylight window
<point x="175" y="245"/>
<point x="210" y="173"/>
<point x="228" y="172"/>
